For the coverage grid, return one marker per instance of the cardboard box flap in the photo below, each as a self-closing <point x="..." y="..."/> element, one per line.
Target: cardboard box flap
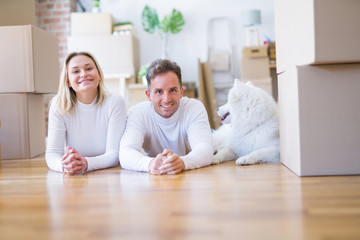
<point x="44" y="66"/>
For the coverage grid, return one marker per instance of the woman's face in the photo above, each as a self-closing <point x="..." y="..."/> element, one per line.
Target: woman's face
<point x="83" y="75"/>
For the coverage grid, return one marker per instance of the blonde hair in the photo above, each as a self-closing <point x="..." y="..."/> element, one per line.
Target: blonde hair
<point x="65" y="99"/>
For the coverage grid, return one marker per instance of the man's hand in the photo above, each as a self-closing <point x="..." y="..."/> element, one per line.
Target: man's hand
<point x="156" y="163"/>
<point x="73" y="163"/>
<point x="166" y="162"/>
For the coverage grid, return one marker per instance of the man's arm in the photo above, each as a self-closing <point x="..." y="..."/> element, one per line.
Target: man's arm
<point x="200" y="138"/>
<point x="130" y="154"/>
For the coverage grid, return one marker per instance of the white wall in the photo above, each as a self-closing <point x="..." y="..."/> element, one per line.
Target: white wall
<point x="191" y="43"/>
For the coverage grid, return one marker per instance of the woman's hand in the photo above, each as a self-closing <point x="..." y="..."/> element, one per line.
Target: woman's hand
<point x="73" y="163"/>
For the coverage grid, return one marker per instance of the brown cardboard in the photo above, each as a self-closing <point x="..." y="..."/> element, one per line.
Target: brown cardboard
<point x="22" y="132"/>
<point x="84" y="24"/>
<point x="316" y="32"/>
<point x="207" y="93"/>
<point x="115" y="54"/>
<point x="0" y="142"/>
<point x="29" y="59"/>
<point x="136" y="94"/>
<point x="189" y="89"/>
<point x="263" y="83"/>
<point x="319" y="118"/>
<point x="255" y="67"/>
<point x="17" y="12"/>
<point x="255" y="51"/>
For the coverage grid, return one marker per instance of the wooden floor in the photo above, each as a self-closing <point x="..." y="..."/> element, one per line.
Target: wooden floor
<point x="217" y="202"/>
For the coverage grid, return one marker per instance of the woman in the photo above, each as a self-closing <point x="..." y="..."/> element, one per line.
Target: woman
<point x="84" y="119"/>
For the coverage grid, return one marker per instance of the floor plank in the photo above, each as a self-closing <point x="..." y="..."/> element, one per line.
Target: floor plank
<point x="223" y="201"/>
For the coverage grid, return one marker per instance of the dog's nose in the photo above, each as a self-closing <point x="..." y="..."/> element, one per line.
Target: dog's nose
<point x="217" y="109"/>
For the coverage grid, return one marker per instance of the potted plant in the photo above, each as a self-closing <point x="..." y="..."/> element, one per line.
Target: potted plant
<point x="171" y="23"/>
<point x="96" y="6"/>
<point x="142" y="73"/>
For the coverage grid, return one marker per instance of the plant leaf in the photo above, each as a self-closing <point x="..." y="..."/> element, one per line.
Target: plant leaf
<point x="149" y="19"/>
<point x="172" y="22"/>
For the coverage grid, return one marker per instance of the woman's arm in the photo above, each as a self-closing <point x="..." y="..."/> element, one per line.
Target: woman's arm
<point x="55" y="140"/>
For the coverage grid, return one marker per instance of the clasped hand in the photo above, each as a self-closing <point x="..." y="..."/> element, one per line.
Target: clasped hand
<point x="72" y="162"/>
<point x="166" y="162"/>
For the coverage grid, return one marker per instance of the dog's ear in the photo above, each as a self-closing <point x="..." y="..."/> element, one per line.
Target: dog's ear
<point x="236" y="82"/>
<point x="249" y="83"/>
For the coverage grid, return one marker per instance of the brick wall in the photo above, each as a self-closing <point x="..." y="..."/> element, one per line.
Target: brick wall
<point x="53" y="16"/>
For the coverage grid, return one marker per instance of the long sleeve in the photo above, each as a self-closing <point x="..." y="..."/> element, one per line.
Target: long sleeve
<point x="200" y="139"/>
<point x="94" y="131"/>
<point x="187" y="133"/>
<point x="130" y="153"/>
<point x="56" y="140"/>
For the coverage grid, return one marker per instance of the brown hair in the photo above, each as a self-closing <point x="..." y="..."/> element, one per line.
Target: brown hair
<point x="162" y="66"/>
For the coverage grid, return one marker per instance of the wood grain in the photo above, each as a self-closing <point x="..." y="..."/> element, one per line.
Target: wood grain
<point x="221" y="201"/>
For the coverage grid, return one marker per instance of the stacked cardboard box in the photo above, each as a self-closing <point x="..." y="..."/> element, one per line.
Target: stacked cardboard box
<point x="117" y="54"/>
<point x="255" y="67"/>
<point x="0" y="142"/>
<point x="29" y="60"/>
<point x="318" y="62"/>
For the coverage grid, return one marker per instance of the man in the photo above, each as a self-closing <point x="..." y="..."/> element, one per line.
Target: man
<point x="173" y="130"/>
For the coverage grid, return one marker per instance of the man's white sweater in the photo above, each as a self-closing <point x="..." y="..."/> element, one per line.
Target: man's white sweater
<point x="187" y="133"/>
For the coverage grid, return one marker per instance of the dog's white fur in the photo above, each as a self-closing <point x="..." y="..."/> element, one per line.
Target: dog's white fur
<point x="250" y="130"/>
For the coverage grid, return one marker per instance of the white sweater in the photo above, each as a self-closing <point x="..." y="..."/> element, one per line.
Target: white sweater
<point x="94" y="131"/>
<point x="187" y="133"/>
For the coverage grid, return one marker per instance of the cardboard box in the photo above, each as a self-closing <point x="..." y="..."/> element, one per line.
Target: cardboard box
<point x="263" y="83"/>
<point x="22" y="132"/>
<point x="319" y="118"/>
<point x="136" y="94"/>
<point x="207" y="93"/>
<point x="29" y="60"/>
<point x="255" y="68"/>
<point x="0" y="142"/>
<point x="272" y="51"/>
<point x="254" y="52"/>
<point x="316" y="32"/>
<point x="17" y="12"/>
<point x="115" y="54"/>
<point x="189" y="89"/>
<point x="84" y="24"/>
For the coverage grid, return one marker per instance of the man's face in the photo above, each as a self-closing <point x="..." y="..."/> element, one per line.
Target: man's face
<point x="165" y="94"/>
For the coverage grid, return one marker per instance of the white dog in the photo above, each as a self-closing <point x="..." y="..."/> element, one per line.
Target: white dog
<point x="250" y="130"/>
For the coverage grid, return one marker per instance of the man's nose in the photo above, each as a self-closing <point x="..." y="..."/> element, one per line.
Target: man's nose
<point x="166" y="96"/>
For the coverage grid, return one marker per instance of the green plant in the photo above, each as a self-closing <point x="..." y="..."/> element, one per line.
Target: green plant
<point x="142" y="71"/>
<point x="96" y="3"/>
<point x="121" y="23"/>
<point x="171" y="23"/>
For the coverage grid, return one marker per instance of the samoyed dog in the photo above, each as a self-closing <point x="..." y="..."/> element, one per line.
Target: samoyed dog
<point x="250" y="127"/>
